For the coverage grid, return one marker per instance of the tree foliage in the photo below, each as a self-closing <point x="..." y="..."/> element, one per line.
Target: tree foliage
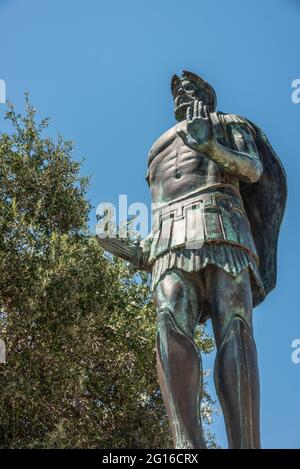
<point x="79" y="328"/>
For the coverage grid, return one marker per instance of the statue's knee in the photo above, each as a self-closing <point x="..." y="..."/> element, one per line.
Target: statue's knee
<point x="168" y="320"/>
<point x="238" y="321"/>
<point x="174" y="340"/>
<point x="238" y="333"/>
<point x="176" y="310"/>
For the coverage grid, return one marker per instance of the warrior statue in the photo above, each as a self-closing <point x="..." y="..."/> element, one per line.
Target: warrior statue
<point x="218" y="192"/>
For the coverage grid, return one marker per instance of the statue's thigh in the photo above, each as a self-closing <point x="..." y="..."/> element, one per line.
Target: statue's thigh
<point x="228" y="297"/>
<point x="178" y="295"/>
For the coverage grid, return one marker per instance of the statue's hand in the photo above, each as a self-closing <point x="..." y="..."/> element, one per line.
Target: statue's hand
<point x="200" y="131"/>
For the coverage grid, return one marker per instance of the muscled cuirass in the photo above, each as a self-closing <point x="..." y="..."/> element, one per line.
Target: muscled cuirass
<point x="175" y="169"/>
<point x="194" y="199"/>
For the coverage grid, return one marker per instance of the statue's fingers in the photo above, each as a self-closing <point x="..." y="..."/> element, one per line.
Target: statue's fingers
<point x="189" y="113"/>
<point x="206" y="112"/>
<point x="195" y="113"/>
<point x="200" y="109"/>
<point x="183" y="135"/>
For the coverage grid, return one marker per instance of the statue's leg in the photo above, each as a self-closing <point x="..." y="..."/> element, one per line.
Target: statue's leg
<point x="178" y="359"/>
<point x="236" y="370"/>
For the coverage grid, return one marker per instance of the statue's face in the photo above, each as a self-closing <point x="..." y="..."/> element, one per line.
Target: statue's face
<point x="185" y="94"/>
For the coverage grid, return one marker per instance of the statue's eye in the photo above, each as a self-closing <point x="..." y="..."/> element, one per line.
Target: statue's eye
<point x="189" y="88"/>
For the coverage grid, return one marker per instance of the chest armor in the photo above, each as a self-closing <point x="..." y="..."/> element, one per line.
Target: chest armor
<point x="208" y="171"/>
<point x="212" y="213"/>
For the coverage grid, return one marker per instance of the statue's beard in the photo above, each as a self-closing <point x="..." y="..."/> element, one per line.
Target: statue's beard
<point x="181" y="104"/>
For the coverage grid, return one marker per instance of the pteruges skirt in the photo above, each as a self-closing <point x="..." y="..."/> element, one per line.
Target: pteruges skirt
<point x="232" y="259"/>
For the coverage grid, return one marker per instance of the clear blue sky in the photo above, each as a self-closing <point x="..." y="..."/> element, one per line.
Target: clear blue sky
<point x="101" y="70"/>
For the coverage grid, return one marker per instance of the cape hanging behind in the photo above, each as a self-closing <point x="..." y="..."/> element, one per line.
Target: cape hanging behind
<point x="264" y="203"/>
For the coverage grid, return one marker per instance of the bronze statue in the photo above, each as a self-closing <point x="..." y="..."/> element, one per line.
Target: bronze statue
<point x="218" y="192"/>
